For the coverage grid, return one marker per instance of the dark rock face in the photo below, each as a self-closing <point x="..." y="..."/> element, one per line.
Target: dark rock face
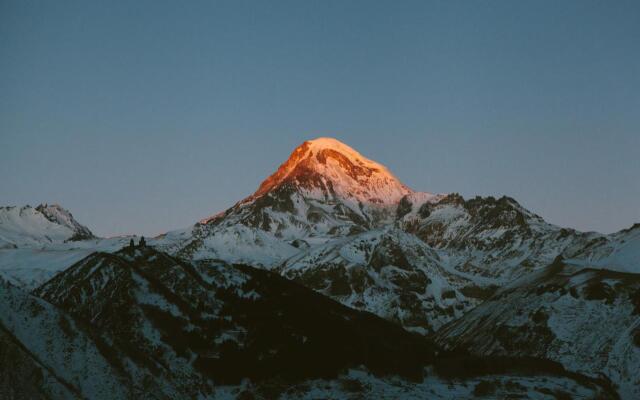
<point x="503" y="212"/>
<point x="388" y="253"/>
<point x="404" y="207"/>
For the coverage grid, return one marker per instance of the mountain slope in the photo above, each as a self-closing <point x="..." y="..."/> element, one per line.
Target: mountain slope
<point x="29" y="267"/>
<point x="617" y="252"/>
<point x="587" y="319"/>
<point x="22" y="376"/>
<point x="63" y="353"/>
<point x="388" y="272"/>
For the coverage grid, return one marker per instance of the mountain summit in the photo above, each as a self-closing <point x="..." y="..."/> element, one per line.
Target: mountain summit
<point x="327" y="168"/>
<point x="325" y="188"/>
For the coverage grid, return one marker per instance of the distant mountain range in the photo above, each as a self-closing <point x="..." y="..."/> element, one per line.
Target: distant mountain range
<point x="426" y="282"/>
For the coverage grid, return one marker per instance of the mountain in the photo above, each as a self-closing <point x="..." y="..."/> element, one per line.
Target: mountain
<point x="587" y="319"/>
<point x="327" y="186"/>
<point x="425" y="262"/>
<point x="345" y="226"/>
<point x="481" y="276"/>
<point x="497" y="240"/>
<point x="45" y="224"/>
<point x="442" y="257"/>
<point x="325" y="189"/>
<point x="139" y="323"/>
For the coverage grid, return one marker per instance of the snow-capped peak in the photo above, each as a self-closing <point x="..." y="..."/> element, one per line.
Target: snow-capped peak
<point x="56" y="214"/>
<point x="28" y="226"/>
<point x="329" y="168"/>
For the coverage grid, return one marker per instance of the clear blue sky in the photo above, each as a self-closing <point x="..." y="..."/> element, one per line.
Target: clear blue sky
<point x="141" y="117"/>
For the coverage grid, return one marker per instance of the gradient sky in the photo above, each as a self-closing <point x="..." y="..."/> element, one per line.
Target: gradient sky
<point x="141" y="117"/>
